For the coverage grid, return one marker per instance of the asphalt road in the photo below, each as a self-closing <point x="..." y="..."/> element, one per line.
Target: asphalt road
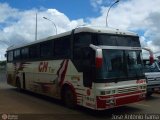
<point x="29" y="106"/>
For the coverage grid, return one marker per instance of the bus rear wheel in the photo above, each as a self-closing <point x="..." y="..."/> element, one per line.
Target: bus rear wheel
<point x="69" y="98"/>
<point x="18" y="84"/>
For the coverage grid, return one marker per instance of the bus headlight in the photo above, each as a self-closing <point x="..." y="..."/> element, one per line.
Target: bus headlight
<point x="108" y="92"/>
<point x="113" y="91"/>
<point x="110" y="101"/>
<point x="142" y="87"/>
<point x="102" y="92"/>
<point x="105" y="92"/>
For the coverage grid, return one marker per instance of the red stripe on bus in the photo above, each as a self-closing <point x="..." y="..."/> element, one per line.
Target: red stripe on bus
<point x="79" y="94"/>
<point x="127" y="100"/>
<point x="62" y="72"/>
<point x="79" y="89"/>
<point x="119" y="95"/>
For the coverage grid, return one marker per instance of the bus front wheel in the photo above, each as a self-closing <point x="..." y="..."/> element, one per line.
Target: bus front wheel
<point x="149" y="94"/>
<point x="69" y="98"/>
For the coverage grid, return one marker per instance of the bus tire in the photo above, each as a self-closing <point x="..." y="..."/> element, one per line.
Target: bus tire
<point x="69" y="98"/>
<point x="149" y="94"/>
<point x="18" y="83"/>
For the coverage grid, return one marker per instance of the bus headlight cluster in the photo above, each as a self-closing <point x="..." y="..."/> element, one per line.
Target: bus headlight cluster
<point x="142" y="87"/>
<point x="110" y="101"/>
<point x="108" y="92"/>
<point x="142" y="96"/>
<point x="105" y="92"/>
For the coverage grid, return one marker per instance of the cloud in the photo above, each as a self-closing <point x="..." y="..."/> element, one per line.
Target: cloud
<point x="154" y="27"/>
<point x="127" y="14"/>
<point x="96" y="3"/>
<point x="18" y="27"/>
<point x="7" y="12"/>
<point x="141" y="15"/>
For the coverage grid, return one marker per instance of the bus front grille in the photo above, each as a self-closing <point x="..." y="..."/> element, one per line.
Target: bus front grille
<point x="127" y="89"/>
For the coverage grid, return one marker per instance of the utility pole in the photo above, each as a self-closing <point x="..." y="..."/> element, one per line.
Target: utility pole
<point x="109" y="10"/>
<point x="52" y="23"/>
<point x="36" y="29"/>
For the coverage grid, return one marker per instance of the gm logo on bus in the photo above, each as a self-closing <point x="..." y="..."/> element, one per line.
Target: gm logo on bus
<point x="43" y="66"/>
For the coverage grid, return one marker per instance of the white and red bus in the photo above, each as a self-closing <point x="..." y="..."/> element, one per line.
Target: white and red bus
<point x="98" y="68"/>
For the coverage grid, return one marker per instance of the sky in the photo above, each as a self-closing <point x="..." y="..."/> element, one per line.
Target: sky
<point x="17" y="19"/>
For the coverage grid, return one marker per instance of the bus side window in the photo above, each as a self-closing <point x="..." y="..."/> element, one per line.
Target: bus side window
<point x="10" y="56"/>
<point x="17" y="55"/>
<point x="62" y="48"/>
<point x="34" y="51"/>
<point x="25" y="53"/>
<point x="46" y="49"/>
<point x="82" y="40"/>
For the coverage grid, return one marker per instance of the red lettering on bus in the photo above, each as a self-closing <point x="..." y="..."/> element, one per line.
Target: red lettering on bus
<point x="140" y="81"/>
<point x="40" y="66"/>
<point x="43" y="66"/>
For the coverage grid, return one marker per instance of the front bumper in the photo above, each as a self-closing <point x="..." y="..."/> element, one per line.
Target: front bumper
<point x="106" y="102"/>
<point x="152" y="88"/>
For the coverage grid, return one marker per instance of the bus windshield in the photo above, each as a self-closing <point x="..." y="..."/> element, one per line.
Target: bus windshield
<point x="120" y="65"/>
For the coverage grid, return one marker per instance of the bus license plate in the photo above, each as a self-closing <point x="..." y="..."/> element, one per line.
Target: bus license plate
<point x="156" y="89"/>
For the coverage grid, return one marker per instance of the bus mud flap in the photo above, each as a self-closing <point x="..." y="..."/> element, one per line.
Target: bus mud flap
<point x="24" y="82"/>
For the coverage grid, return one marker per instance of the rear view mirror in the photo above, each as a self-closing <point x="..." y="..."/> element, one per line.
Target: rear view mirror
<point x="151" y="58"/>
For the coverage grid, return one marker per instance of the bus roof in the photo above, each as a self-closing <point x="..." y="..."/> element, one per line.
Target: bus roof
<point x="79" y="30"/>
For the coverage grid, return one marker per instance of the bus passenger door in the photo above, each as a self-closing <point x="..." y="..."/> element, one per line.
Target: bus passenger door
<point x="23" y="79"/>
<point x="84" y="62"/>
<point x="88" y="66"/>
